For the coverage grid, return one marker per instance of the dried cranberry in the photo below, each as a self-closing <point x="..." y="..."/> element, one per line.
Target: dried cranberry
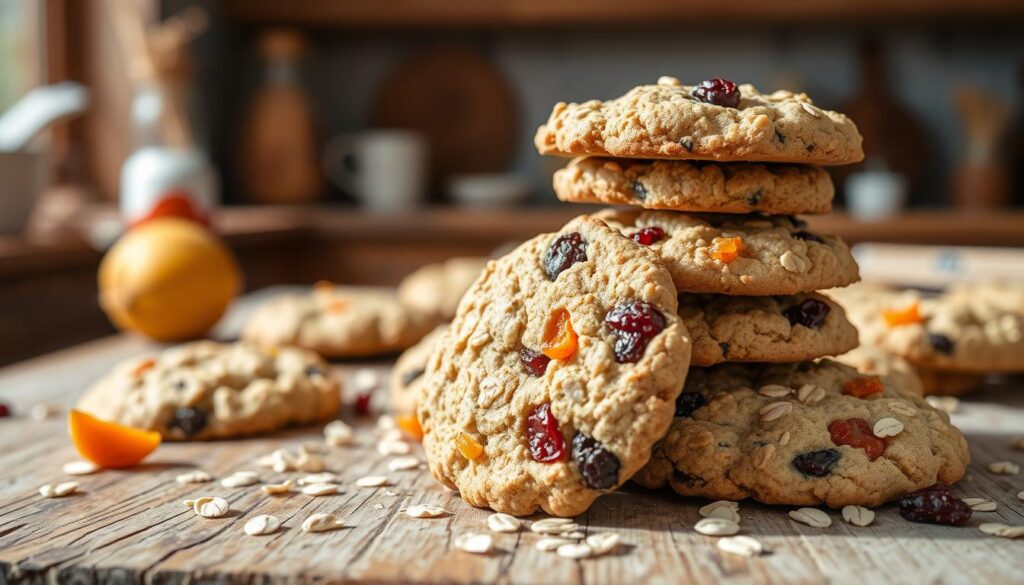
<point x="535" y="363"/>
<point x="636" y="323"/>
<point x="816" y="463"/>
<point x="639" y="190"/>
<point x="689" y="402"/>
<point x="189" y="420"/>
<point x="649" y="235"/>
<point x="857" y="433"/>
<point x="411" y="376"/>
<point x="718" y="91"/>
<point x="563" y="253"/>
<point x="363" y="403"/>
<point x="5" y="411"/>
<point x="807" y="236"/>
<point x="546" y="442"/>
<point x="941" y="343"/>
<point x="934" y="505"/>
<point x="810" y="313"/>
<point x="598" y="466"/>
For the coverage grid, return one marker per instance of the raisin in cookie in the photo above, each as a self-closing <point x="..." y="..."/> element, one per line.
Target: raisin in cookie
<point x="559" y="373"/>
<point x="803" y="434"/>
<point x="436" y="289"/>
<point x="207" y="390"/>
<point x="406" y="383"/>
<point x="952" y="332"/>
<point x="670" y="120"/>
<point x="339" y="322"/>
<point x="739" y="254"/>
<point x="764" y="329"/>
<point x="696" y="186"/>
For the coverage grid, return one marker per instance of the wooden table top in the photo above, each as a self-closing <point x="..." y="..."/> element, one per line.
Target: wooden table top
<point x="130" y="526"/>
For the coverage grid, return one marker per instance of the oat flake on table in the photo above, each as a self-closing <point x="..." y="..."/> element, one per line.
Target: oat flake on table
<point x="475" y="543"/>
<point x="80" y="468"/>
<point x="424" y="511"/>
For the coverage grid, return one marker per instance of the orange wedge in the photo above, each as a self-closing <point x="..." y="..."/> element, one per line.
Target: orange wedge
<point x="109" y="444"/>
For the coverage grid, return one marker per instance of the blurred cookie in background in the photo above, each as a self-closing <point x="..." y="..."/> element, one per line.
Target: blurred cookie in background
<point x="407" y="375"/>
<point x="869" y="359"/>
<point x="436" y="289"/>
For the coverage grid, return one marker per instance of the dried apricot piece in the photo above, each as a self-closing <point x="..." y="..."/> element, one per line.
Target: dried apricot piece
<point x="726" y="249"/>
<point x="337" y="306"/>
<point x="109" y="444"/>
<point x="560" y="340"/>
<point x="468" y="446"/>
<point x="863" y="386"/>
<point x="906" y="316"/>
<point x="410" y="424"/>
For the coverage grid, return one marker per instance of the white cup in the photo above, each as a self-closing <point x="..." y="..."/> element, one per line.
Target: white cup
<point x="874" y="195"/>
<point x="383" y="169"/>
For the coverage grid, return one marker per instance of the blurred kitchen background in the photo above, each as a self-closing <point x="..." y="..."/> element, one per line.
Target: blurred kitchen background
<point x="356" y="140"/>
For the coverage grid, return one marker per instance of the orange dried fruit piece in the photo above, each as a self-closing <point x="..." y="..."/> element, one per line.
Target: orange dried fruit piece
<point x="144" y="365"/>
<point x="109" y="444"/>
<point x="726" y="249"/>
<point x="863" y="387"/>
<point x="906" y="316"/>
<point x="468" y="446"/>
<point x="410" y="424"/>
<point x="560" y="339"/>
<point x="337" y="306"/>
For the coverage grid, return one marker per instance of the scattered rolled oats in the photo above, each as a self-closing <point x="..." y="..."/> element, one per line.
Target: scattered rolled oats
<point x="1004" y="468"/>
<point x="385" y="423"/>
<point x="947" y="404"/>
<point x="322" y="523"/>
<point x="197" y="476"/>
<point x="858" y="515"/>
<point x="784" y="439"/>
<point x="80" y="468"/>
<point x="475" y="543"/>
<point x="574" y="550"/>
<point x="1020" y="495"/>
<point x="811" y="517"/>
<point x="58" y="490"/>
<point x="240" y="479"/>
<point x="325" y="477"/>
<point x="312" y="448"/>
<point x="741" y="545"/>
<point x="211" y="507"/>
<point x="43" y="411"/>
<point x="903" y="409"/>
<point x="309" y="463"/>
<point x="791" y="262"/>
<point x="1004" y="530"/>
<point x="503" y="523"/>
<point x="274" y="489"/>
<point x="887" y="427"/>
<point x="393" y="447"/>
<point x="392" y="435"/>
<point x="550" y="543"/>
<point x="603" y="542"/>
<point x="775" y="410"/>
<point x="339" y="434"/>
<point x="262" y="524"/>
<point x="981" y="504"/>
<point x="810" y="393"/>
<point x="774" y="391"/>
<point x="575" y="534"/>
<point x="553" y="526"/>
<point x="373" y="481"/>
<point x="320" y="489"/>
<point x="365" y="379"/>
<point x="723" y="509"/>
<point x="716" y="527"/>
<point x="403" y="463"/>
<point x="813" y="111"/>
<point x="424" y="511"/>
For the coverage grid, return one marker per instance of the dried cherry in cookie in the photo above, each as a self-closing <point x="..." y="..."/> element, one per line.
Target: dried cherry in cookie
<point x="534" y="363"/>
<point x="547" y="444"/>
<point x="598" y="467"/>
<point x="817" y="463"/>
<point x="649" y="235"/>
<point x="717" y="91"/>
<point x="857" y="433"/>
<point x="564" y="252"/>
<point x="635" y="324"/>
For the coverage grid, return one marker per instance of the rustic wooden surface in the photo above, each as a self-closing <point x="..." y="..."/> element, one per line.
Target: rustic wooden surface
<point x="130" y="526"/>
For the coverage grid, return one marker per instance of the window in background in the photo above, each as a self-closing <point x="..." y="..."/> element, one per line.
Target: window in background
<point x="20" y="48"/>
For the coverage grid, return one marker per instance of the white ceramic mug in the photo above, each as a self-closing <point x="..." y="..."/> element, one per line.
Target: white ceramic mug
<point x="383" y="169"/>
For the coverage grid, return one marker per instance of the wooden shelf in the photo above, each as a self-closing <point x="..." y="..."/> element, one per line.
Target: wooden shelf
<point x="543" y="13"/>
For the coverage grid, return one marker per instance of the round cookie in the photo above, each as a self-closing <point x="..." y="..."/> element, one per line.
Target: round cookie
<point x="947" y="383"/>
<point x="339" y="322"/>
<point x="696" y="186"/>
<point x="208" y="390"/>
<point x="739" y="434"/>
<point x="436" y="289"/>
<point x="665" y="121"/>
<point x="869" y="359"/>
<point x="516" y="431"/>
<point x="406" y="382"/>
<point x="953" y="332"/>
<point x="764" y="329"/>
<point x="778" y="255"/>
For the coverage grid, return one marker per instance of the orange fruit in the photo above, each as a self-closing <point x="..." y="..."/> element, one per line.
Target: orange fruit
<point x="109" y="444"/>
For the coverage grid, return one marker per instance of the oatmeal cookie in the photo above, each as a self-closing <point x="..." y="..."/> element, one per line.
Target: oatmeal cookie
<point x="670" y="120"/>
<point x="803" y="434"/>
<point x="208" y="390"/>
<point x="559" y="373"/>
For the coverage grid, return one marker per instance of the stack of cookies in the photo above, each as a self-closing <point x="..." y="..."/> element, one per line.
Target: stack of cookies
<point x="567" y="369"/>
